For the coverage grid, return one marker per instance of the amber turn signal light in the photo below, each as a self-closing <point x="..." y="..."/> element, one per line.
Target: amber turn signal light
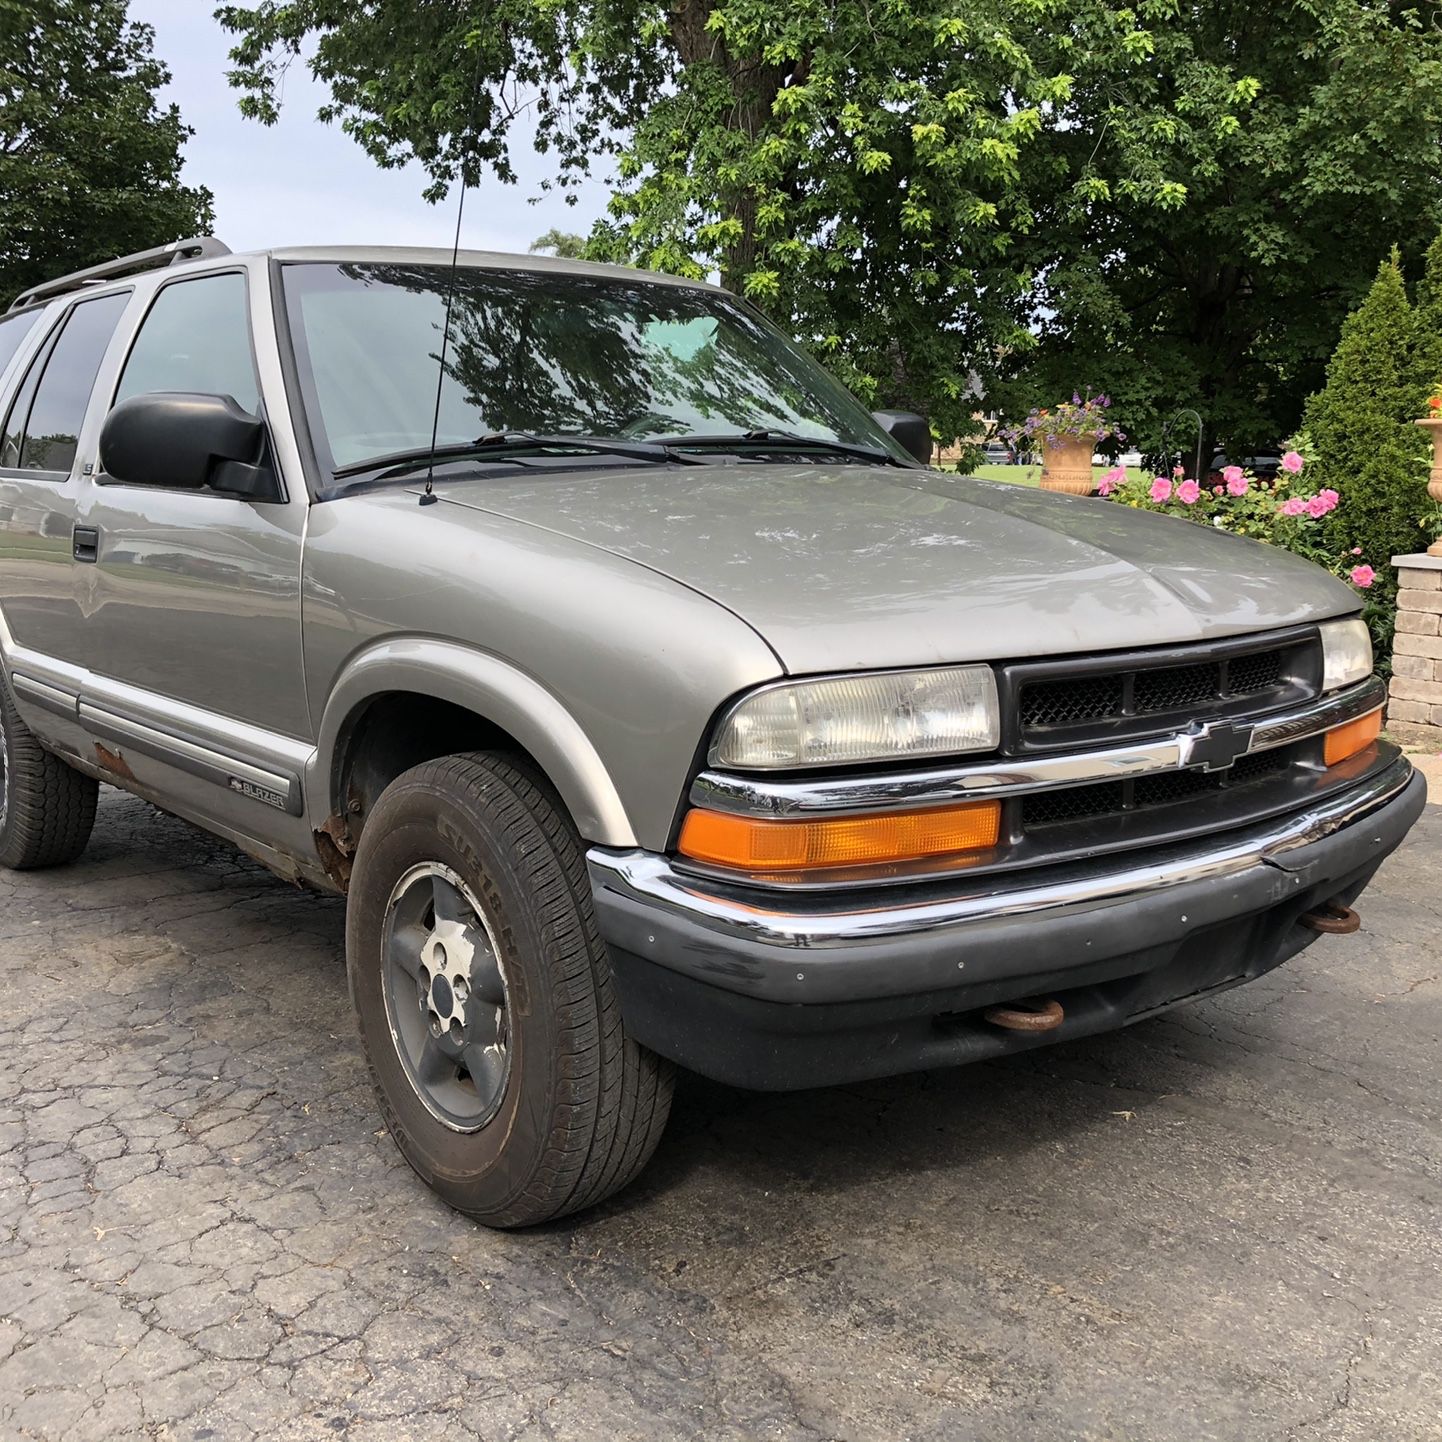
<point x="1348" y="740"/>
<point x="750" y="844"/>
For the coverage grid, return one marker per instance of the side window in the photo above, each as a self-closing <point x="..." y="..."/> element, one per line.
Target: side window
<point x="195" y="338"/>
<point x="13" y="330"/>
<point x="43" y="428"/>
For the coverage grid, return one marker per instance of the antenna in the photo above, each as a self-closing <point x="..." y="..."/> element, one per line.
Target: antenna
<point x="429" y="497"/>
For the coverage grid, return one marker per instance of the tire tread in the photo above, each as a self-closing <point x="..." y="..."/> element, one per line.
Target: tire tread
<point x="51" y="806"/>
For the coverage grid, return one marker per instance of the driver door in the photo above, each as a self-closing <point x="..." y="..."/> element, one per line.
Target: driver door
<point x="191" y="598"/>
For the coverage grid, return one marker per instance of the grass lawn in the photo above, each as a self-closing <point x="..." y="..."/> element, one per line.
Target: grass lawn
<point x="1031" y="475"/>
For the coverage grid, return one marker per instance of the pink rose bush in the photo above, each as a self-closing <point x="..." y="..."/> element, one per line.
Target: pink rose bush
<point x="1279" y="511"/>
<point x="1115" y="477"/>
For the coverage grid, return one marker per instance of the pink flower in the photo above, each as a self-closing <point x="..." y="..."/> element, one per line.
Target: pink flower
<point x="1232" y="474"/>
<point x="1362" y="576"/>
<point x="1356" y="550"/>
<point x="1316" y="507"/>
<point x="1161" y="489"/>
<point x="1292" y="462"/>
<point x="1179" y="470"/>
<point x="1216" y="490"/>
<point x="1331" y="498"/>
<point x="1238" y="484"/>
<point x="1188" y="492"/>
<point x="1117" y="475"/>
<point x="1105" y="486"/>
<point x="1294" y="507"/>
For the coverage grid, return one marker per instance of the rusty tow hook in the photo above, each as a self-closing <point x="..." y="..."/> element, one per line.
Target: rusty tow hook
<point x="1331" y="918"/>
<point x="1033" y="1014"/>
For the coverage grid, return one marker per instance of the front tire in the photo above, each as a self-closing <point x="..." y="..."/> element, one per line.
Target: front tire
<point x="487" y="1010"/>
<point x="47" y="809"/>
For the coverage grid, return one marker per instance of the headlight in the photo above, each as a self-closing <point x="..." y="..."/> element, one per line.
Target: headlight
<point x="1346" y="652"/>
<point x="891" y="716"/>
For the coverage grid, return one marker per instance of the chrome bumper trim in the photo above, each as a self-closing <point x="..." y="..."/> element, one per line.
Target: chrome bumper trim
<point x="1000" y="779"/>
<point x="649" y="880"/>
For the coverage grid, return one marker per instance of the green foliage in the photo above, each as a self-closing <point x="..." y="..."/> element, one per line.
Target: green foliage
<point x="89" y="164"/>
<point x="561" y="243"/>
<point x="949" y="198"/>
<point x="1204" y="222"/>
<point x="1427" y="328"/>
<point x="1360" y="425"/>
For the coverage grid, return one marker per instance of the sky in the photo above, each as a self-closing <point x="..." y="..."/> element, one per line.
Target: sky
<point x="303" y="183"/>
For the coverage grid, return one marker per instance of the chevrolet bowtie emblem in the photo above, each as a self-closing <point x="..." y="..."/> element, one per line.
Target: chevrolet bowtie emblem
<point x="1215" y="745"/>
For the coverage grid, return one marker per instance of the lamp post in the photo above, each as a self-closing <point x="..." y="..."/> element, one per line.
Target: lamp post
<point x="1166" y="431"/>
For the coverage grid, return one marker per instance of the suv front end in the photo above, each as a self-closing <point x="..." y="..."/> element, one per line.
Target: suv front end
<point x="883" y="872"/>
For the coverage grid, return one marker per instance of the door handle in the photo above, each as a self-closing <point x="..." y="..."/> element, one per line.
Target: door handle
<point x="87" y="544"/>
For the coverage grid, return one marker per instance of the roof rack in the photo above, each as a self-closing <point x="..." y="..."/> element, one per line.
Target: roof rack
<point x="197" y="248"/>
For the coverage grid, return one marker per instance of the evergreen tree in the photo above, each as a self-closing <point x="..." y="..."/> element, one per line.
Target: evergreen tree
<point x="1360" y="426"/>
<point x="1427" y="323"/>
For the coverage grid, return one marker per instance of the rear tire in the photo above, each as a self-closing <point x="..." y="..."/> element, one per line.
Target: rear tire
<point x="487" y="1010"/>
<point x="47" y="809"/>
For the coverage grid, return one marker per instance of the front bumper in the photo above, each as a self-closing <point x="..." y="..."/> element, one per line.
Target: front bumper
<point x="786" y="991"/>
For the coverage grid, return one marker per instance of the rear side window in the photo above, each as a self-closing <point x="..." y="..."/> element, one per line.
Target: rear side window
<point x="196" y="338"/>
<point x="14" y="329"/>
<point x="43" y="429"/>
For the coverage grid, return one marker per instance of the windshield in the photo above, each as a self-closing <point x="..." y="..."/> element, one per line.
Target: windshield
<point x="545" y="352"/>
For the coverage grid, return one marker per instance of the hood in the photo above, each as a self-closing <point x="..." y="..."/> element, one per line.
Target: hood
<point x="852" y="567"/>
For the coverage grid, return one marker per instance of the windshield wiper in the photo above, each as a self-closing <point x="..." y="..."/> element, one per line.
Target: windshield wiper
<point x="503" y="444"/>
<point x="788" y="441"/>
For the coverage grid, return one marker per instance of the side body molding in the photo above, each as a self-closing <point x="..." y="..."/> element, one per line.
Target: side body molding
<point x="493" y="689"/>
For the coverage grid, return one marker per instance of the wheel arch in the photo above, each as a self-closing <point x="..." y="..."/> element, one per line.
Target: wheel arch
<point x="405" y="701"/>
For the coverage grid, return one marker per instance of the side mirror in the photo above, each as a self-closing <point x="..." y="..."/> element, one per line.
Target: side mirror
<point x="910" y="429"/>
<point x="187" y="442"/>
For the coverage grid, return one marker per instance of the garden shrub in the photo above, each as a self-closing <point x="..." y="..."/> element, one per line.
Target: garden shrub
<point x="1367" y="449"/>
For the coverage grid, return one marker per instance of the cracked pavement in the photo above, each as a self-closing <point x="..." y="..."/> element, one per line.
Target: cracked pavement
<point x="1222" y="1223"/>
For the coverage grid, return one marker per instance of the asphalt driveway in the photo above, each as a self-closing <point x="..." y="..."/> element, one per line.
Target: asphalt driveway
<point x="1226" y="1223"/>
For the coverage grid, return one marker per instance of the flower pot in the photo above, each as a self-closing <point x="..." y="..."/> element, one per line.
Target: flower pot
<point x="1067" y="465"/>
<point x="1433" y="426"/>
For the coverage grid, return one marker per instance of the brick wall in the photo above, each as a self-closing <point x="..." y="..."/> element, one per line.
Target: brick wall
<point x="1414" y="712"/>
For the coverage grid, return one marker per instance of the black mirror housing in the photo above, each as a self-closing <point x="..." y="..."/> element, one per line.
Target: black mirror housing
<point x="190" y="442"/>
<point x="910" y="429"/>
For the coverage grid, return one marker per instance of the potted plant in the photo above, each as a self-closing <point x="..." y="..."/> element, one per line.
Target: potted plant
<point x="1432" y="424"/>
<point x="1067" y="434"/>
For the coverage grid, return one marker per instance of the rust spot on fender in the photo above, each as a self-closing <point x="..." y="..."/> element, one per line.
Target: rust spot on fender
<point x="113" y="762"/>
<point x="335" y="847"/>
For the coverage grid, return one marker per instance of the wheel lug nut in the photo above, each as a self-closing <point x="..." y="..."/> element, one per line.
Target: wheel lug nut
<point x="460" y="988"/>
<point x="435" y="1025"/>
<point x="458" y="1033"/>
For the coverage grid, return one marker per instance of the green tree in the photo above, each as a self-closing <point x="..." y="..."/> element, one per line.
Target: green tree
<point x="561" y="243"/>
<point x="89" y="164"/>
<point x="949" y="198"/>
<point x="1360" y="427"/>
<point x="1427" y="325"/>
<point x="1205" y="221"/>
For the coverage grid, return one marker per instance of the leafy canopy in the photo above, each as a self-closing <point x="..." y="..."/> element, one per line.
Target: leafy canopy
<point x="1213" y="214"/>
<point x="89" y="164"/>
<point x="1174" y="204"/>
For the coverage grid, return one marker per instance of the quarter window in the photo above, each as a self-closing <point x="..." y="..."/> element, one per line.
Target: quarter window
<point x="43" y="429"/>
<point x="13" y="330"/>
<point x="196" y="338"/>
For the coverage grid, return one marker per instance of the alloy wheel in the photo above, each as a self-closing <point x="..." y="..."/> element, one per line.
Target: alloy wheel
<point x="446" y="997"/>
